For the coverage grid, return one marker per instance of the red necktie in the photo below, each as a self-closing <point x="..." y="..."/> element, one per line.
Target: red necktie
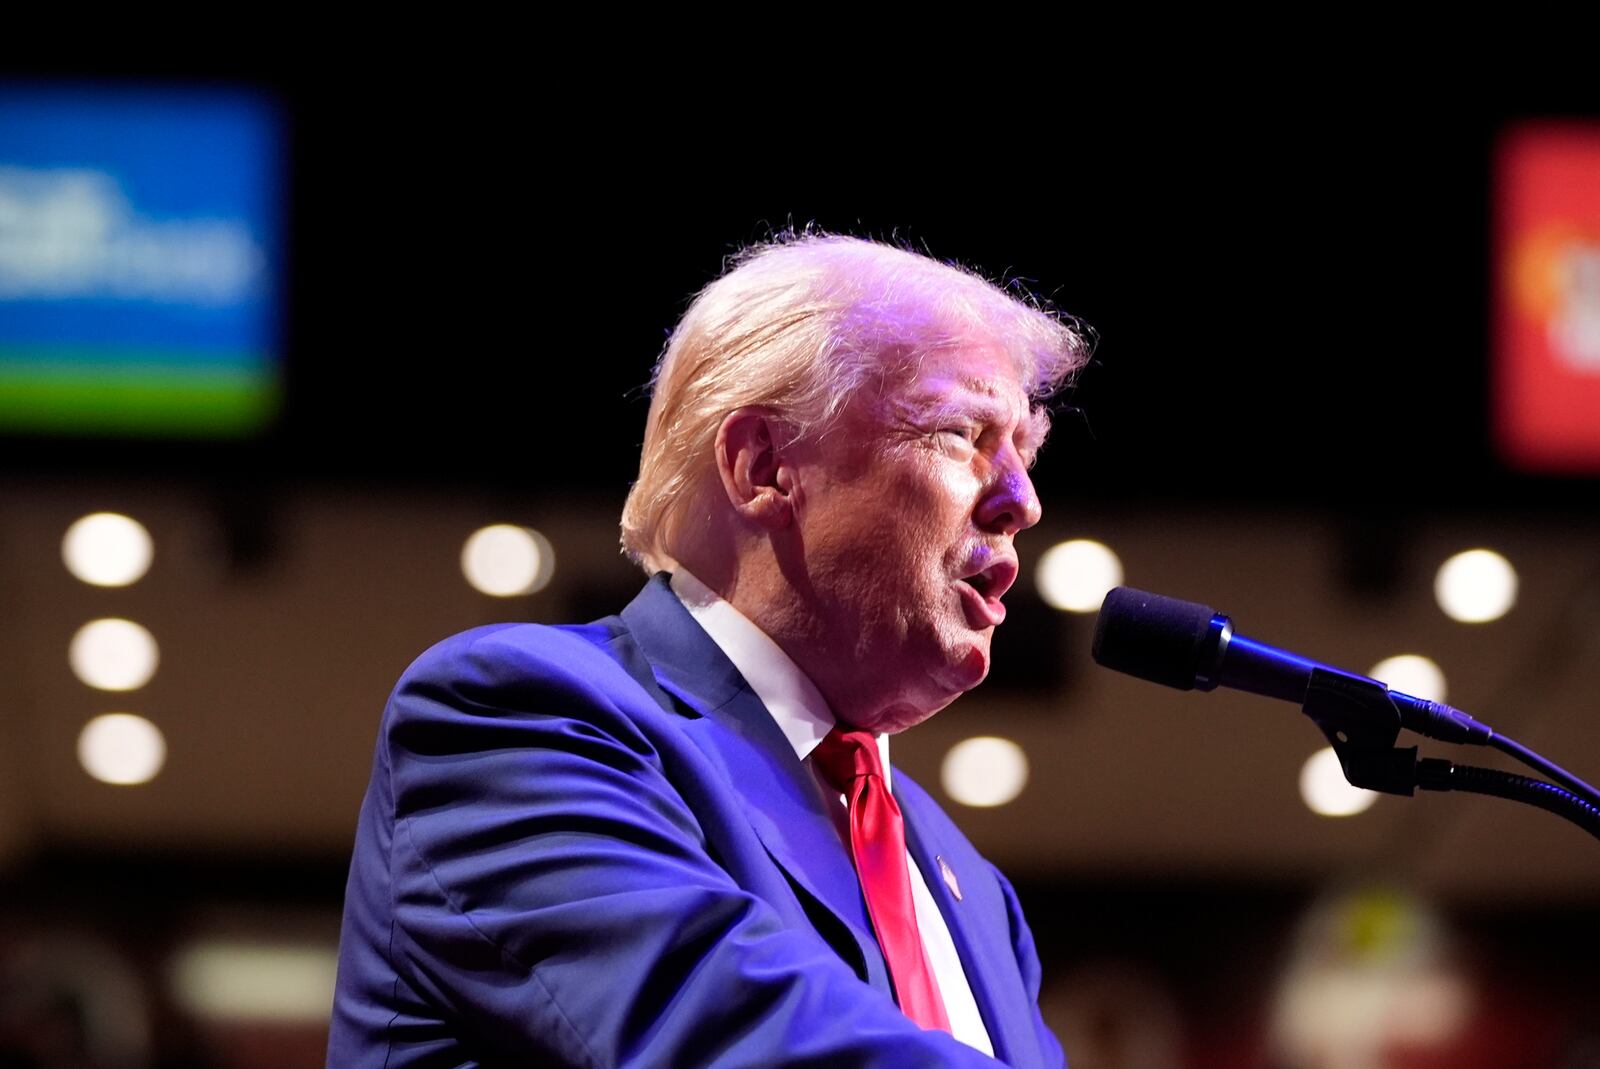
<point x="849" y="761"/>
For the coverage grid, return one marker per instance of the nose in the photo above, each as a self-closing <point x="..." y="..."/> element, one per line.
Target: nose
<point x="1009" y="503"/>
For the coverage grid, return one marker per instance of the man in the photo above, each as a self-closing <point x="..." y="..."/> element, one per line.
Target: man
<point x="672" y="838"/>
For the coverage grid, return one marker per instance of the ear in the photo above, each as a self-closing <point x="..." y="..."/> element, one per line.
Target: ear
<point x="756" y="476"/>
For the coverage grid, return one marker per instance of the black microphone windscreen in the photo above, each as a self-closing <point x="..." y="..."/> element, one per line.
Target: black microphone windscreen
<point x="1152" y="637"/>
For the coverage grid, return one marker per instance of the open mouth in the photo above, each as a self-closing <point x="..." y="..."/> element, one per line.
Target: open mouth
<point x="992" y="582"/>
<point x="983" y="605"/>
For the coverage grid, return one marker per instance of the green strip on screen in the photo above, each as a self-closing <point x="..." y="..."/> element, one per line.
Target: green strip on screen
<point x="231" y="396"/>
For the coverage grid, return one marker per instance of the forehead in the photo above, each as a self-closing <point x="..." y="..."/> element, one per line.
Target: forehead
<point x="974" y="374"/>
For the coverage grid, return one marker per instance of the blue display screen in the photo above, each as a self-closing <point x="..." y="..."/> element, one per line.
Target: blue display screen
<point x="140" y="260"/>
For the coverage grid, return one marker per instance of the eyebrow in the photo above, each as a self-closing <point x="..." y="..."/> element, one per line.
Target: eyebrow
<point x="1035" y="429"/>
<point x="979" y="401"/>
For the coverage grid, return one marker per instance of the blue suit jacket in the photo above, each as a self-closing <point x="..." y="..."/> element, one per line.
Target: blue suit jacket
<point x="592" y="846"/>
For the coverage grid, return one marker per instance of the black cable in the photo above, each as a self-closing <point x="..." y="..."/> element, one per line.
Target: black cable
<point x="1572" y="783"/>
<point x="1437" y="774"/>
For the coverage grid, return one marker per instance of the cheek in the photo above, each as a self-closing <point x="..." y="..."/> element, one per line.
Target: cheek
<point x="935" y="499"/>
<point x="894" y="533"/>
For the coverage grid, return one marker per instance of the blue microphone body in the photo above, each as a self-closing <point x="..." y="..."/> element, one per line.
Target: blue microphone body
<point x="1190" y="646"/>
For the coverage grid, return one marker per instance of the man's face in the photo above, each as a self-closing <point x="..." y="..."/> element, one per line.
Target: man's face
<point x="905" y="515"/>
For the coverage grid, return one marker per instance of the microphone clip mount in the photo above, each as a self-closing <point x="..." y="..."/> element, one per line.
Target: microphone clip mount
<point x="1362" y="724"/>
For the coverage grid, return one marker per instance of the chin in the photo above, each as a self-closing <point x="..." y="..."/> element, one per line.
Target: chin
<point x="974" y="665"/>
<point x="897" y="719"/>
<point x="965" y="666"/>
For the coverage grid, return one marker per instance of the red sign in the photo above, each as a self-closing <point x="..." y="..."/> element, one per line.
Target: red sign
<point x="1547" y="332"/>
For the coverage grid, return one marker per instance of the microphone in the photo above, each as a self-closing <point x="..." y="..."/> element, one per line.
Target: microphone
<point x="1190" y="646"/>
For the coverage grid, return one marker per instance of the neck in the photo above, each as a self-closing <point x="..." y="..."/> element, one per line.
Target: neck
<point x="782" y="603"/>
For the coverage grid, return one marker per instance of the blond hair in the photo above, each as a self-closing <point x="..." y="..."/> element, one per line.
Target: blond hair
<point x="800" y="325"/>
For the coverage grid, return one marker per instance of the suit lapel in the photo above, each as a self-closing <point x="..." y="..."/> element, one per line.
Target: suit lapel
<point x="737" y="733"/>
<point x="986" y="953"/>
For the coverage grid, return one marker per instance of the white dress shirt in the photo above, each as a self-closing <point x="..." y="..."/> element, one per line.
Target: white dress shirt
<point x="804" y="718"/>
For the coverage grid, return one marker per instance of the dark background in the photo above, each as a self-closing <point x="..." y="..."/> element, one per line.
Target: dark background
<point x="1291" y="291"/>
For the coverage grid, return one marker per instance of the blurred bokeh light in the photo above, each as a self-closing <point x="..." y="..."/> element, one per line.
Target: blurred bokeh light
<point x="1413" y="674"/>
<point x="1476" y="586"/>
<point x="985" y="771"/>
<point x="1325" y="790"/>
<point x="107" y="549"/>
<point x="504" y="560"/>
<point x="1075" y="576"/>
<point x="234" y="980"/>
<point x="121" y="748"/>
<point x="113" y="654"/>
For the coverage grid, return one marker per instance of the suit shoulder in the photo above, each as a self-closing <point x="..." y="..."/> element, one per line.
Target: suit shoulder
<point x="506" y="672"/>
<point x="501" y="650"/>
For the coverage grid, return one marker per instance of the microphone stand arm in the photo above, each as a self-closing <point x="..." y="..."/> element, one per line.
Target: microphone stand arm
<point x="1362" y="724"/>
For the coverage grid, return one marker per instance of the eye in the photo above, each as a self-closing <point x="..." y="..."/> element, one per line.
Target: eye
<point x="967" y="433"/>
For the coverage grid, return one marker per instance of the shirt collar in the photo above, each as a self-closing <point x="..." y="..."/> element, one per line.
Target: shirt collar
<point x="793" y="701"/>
